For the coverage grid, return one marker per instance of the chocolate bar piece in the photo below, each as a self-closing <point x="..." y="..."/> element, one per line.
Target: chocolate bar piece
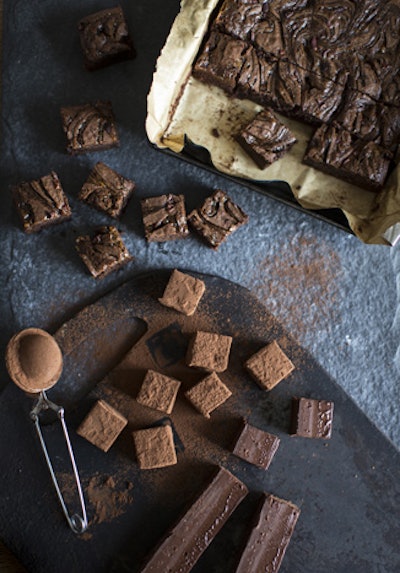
<point x="269" y="366"/>
<point x="102" y="425"/>
<point x="155" y="447"/>
<point x="208" y="394"/>
<point x="158" y="391"/>
<point x="183" y="292"/>
<point x="269" y="538"/>
<point x="312" y="418"/>
<point x="164" y="217"/>
<point x="41" y="202"/>
<point x="256" y="446"/>
<point x="184" y="544"/>
<point x="209" y="351"/>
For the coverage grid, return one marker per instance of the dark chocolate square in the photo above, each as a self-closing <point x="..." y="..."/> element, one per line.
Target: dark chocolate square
<point x="102" y="425"/>
<point x="312" y="418"/>
<point x="164" y="217"/>
<point x="256" y="446"/>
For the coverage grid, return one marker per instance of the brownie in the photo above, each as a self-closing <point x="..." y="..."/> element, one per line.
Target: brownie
<point x="256" y="78"/>
<point x="269" y="366"/>
<point x="102" y="425"/>
<point x="155" y="447"/>
<point x="164" y="217"/>
<point x="209" y="351"/>
<point x="89" y="127"/>
<point x="41" y="202"/>
<point x="107" y="190"/>
<point x="339" y="153"/>
<point x="255" y="446"/>
<point x="105" y="38"/>
<point x="158" y="391"/>
<point x="312" y="418"/>
<point x="208" y="394"/>
<point x="266" y="139"/>
<point x="217" y="218"/>
<point x="238" y="18"/>
<point x="103" y="252"/>
<point x="183" y="292"/>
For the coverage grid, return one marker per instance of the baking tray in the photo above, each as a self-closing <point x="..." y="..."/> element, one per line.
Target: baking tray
<point x="348" y="488"/>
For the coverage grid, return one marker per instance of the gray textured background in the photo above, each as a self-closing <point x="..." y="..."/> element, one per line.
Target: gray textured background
<point x="337" y="296"/>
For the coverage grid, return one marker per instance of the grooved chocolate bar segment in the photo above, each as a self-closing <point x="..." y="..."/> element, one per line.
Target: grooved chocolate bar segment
<point x="312" y="418"/>
<point x="189" y="538"/>
<point x="270" y="536"/>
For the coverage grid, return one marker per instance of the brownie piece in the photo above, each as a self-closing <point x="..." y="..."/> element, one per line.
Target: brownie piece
<point x="269" y="366"/>
<point x="89" y="127"/>
<point x="341" y="154"/>
<point x="158" y="391"/>
<point x="237" y="18"/>
<point x="266" y="139"/>
<point x="208" y="394"/>
<point x="183" y="292"/>
<point x="320" y="98"/>
<point x="273" y="527"/>
<point x="256" y="446"/>
<point x="187" y="540"/>
<point x="164" y="217"/>
<point x="103" y="252"/>
<point x="209" y="351"/>
<point x="217" y="218"/>
<point x="102" y="425"/>
<point x="312" y="418"/>
<point x="256" y="77"/>
<point x="105" y="38"/>
<point x="107" y="190"/>
<point x="41" y="202"/>
<point x="155" y="447"/>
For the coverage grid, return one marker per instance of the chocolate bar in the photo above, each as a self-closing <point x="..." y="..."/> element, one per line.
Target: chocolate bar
<point x="312" y="418"/>
<point x="256" y="446"/>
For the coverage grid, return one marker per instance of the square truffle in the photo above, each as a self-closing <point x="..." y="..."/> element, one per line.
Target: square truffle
<point x="104" y="252"/>
<point x="312" y="418"/>
<point x="209" y="351"/>
<point x="183" y="292"/>
<point x="89" y="127"/>
<point x="266" y="139"/>
<point x="269" y="366"/>
<point x="155" y="447"/>
<point x="164" y="217"/>
<point x="217" y="218"/>
<point x="41" y="202"/>
<point x="158" y="391"/>
<point x="102" y="425"/>
<point x="256" y="446"/>
<point x="107" y="190"/>
<point x="208" y="394"/>
<point x="105" y="38"/>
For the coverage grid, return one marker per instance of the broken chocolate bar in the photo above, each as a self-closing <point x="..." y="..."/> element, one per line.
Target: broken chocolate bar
<point x="256" y="446"/>
<point x="312" y="418"/>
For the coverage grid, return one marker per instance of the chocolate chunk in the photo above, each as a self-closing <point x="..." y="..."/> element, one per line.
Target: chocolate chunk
<point x="41" y="202"/>
<point x="312" y="418"/>
<point x="269" y="366"/>
<point x="208" y="394"/>
<point x="256" y="446"/>
<point x="266" y="139"/>
<point x="183" y="292"/>
<point x="107" y="190"/>
<point x="164" y="217"/>
<point x="269" y="538"/>
<point x="89" y="127"/>
<point x="103" y="252"/>
<point x="105" y="38"/>
<point x="155" y="447"/>
<point x="102" y="426"/>
<point x="217" y="218"/>
<point x="184" y="543"/>
<point x="158" y="391"/>
<point x="209" y="351"/>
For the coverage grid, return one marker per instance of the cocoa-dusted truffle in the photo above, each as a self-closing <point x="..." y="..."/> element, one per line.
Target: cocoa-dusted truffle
<point x="103" y="252"/>
<point x="209" y="351"/>
<point x="155" y="447"/>
<point x="102" y="425"/>
<point x="312" y="418"/>
<point x="158" y="391"/>
<point x="255" y="446"/>
<point x="164" y="217"/>
<point x="183" y="292"/>
<point x="269" y="366"/>
<point x="208" y="394"/>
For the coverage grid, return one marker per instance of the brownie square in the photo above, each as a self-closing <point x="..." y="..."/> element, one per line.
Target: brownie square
<point x="107" y="190"/>
<point x="269" y="366"/>
<point x="41" y="202"/>
<point x="102" y="425"/>
<point x="183" y="292"/>
<point x="103" y="252"/>
<point x="237" y="18"/>
<point x="208" y="394"/>
<point x="256" y="446"/>
<point x="158" y="391"/>
<point x="217" y="218"/>
<point x="209" y="351"/>
<point x="105" y="38"/>
<point x="89" y="127"/>
<point x="312" y="418"/>
<point x="155" y="447"/>
<point x="266" y="139"/>
<point x="164" y="217"/>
